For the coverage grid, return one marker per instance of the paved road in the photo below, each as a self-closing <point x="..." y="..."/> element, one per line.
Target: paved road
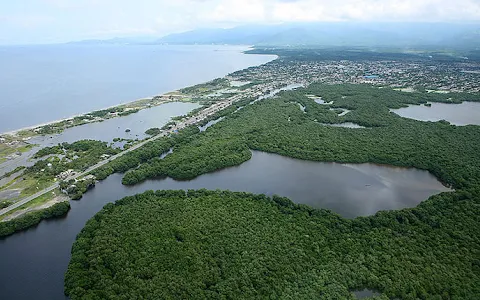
<point x="194" y="119"/>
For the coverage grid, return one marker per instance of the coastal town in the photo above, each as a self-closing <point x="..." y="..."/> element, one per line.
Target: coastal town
<point x="422" y="75"/>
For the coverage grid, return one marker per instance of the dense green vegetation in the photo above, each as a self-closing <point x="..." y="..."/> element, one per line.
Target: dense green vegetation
<point x="279" y="126"/>
<point x="220" y="244"/>
<point x="5" y="203"/>
<point x="153" y="131"/>
<point x="237" y="245"/>
<point x="76" y="156"/>
<point x="76" y="189"/>
<point x="206" y="87"/>
<point x="104" y="112"/>
<point x="128" y="112"/>
<point x="359" y="53"/>
<point x="150" y="151"/>
<point x="33" y="218"/>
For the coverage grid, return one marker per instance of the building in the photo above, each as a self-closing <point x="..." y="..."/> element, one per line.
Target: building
<point x="64" y="175"/>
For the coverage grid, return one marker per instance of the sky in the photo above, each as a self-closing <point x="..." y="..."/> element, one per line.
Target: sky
<point x="53" y="21"/>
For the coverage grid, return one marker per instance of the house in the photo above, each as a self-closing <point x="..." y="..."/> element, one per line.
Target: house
<point x="64" y="175"/>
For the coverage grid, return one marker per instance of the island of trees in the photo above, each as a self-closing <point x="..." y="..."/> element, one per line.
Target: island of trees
<point x="220" y="244"/>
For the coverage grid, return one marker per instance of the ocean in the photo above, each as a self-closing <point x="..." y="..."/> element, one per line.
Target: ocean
<point x="39" y="84"/>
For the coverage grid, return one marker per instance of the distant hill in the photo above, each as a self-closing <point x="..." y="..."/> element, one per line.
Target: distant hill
<point x="118" y="41"/>
<point x="322" y="34"/>
<point x="336" y="34"/>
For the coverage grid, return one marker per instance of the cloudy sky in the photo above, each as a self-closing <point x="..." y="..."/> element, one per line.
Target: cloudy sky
<point x="45" y="21"/>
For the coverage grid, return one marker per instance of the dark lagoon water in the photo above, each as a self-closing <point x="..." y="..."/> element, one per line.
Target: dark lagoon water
<point x="33" y="262"/>
<point x="466" y="113"/>
<point x="39" y="84"/>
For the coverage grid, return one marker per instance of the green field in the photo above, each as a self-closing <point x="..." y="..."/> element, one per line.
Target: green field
<point x="35" y="202"/>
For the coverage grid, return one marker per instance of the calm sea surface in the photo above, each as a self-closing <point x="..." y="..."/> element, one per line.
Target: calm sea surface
<point x="39" y="84"/>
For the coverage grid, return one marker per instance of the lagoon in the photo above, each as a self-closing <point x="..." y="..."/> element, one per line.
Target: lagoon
<point x="466" y="113"/>
<point x="33" y="262"/>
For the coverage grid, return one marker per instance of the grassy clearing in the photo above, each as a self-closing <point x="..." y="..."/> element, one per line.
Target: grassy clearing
<point x="31" y="185"/>
<point x="6" y="150"/>
<point x="35" y="202"/>
<point x="28" y="185"/>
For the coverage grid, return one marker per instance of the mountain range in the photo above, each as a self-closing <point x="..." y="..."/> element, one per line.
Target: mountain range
<point x="327" y="34"/>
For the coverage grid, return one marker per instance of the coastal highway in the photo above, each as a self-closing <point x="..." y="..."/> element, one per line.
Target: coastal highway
<point x="192" y="120"/>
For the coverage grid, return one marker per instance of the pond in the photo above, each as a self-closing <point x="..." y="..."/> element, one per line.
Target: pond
<point x="466" y="113"/>
<point x="344" y="125"/>
<point x="365" y="293"/>
<point x="33" y="262"/>
<point x="340" y="111"/>
<point x="323" y="102"/>
<point x="318" y="100"/>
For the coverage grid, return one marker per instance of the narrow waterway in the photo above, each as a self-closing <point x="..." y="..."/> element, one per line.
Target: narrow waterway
<point x="33" y="262"/>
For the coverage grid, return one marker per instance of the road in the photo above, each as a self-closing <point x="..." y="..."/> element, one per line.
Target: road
<point x="192" y="120"/>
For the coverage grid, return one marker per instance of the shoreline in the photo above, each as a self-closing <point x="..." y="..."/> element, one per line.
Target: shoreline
<point x="15" y="131"/>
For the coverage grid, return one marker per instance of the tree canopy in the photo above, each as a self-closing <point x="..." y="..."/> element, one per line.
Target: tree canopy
<point x="220" y="244"/>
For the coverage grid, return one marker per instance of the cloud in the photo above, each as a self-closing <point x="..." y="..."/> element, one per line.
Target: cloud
<point x="349" y="10"/>
<point x="62" y="20"/>
<point x="25" y="21"/>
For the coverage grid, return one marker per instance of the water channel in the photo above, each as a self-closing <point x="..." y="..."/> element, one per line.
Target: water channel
<point x="33" y="262"/>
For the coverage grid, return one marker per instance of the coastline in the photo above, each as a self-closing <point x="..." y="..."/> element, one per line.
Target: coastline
<point x="15" y="131"/>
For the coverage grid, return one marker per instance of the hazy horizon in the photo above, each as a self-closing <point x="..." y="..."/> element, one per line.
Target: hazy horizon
<point x="60" y="21"/>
